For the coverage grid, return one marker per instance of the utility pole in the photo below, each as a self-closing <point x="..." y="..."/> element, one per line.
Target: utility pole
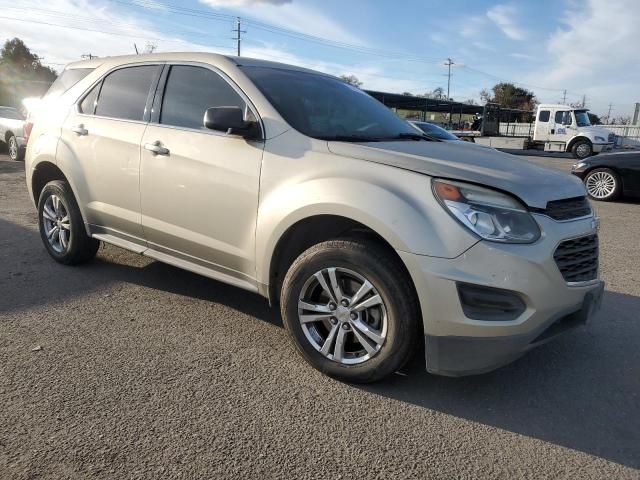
<point x="564" y="97"/>
<point x="238" y="31"/>
<point x="584" y="100"/>
<point x="609" y="114"/>
<point x="448" y="63"/>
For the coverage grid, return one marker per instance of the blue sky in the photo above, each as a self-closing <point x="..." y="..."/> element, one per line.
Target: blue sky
<point x="587" y="47"/>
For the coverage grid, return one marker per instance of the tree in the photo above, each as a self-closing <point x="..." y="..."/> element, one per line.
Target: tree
<point x="351" y="80"/>
<point x="621" y="120"/>
<point x="509" y="95"/>
<point x="438" y="93"/>
<point x="21" y="74"/>
<point x="594" y="119"/>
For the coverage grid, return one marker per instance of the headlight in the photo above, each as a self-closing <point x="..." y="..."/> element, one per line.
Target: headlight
<point x="600" y="139"/>
<point x="578" y="167"/>
<point x="490" y="214"/>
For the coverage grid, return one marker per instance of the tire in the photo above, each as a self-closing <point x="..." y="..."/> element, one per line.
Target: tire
<point x="15" y="152"/>
<point x="603" y="184"/>
<point x="582" y="149"/>
<point x="73" y="246"/>
<point x="393" y="323"/>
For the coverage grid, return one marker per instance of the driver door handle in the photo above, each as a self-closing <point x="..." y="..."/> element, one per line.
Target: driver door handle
<point x="156" y="149"/>
<point x="80" y="130"/>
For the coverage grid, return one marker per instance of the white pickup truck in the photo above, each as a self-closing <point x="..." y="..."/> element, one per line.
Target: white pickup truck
<point x="557" y="128"/>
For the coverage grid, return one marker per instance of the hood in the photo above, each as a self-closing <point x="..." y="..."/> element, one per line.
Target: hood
<point x="595" y="130"/>
<point x="533" y="184"/>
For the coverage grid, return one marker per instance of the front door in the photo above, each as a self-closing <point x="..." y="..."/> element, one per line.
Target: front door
<point x="104" y="135"/>
<point x="199" y="188"/>
<point x="561" y="130"/>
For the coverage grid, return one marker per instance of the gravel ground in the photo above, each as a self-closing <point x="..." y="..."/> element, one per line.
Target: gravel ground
<point x="128" y="368"/>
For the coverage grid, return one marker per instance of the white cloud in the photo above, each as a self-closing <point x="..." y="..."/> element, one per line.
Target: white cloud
<point x="60" y="45"/>
<point x="303" y="19"/>
<point x="594" y="52"/>
<point x="521" y="56"/>
<point x="503" y="16"/>
<point x="244" y="3"/>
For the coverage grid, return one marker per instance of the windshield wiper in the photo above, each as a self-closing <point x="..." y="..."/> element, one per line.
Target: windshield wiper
<point x="413" y="136"/>
<point x="348" y="138"/>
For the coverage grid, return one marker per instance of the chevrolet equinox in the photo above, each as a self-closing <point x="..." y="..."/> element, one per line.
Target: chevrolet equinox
<point x="370" y="236"/>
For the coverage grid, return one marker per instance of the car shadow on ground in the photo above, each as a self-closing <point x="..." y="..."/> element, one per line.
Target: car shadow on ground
<point x="581" y="391"/>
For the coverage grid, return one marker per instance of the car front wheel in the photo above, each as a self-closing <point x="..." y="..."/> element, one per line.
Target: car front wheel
<point x="351" y="310"/>
<point x="603" y="184"/>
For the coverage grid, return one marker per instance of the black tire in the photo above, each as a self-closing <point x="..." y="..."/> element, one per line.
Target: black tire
<point x="80" y="248"/>
<point x="392" y="283"/>
<point x="612" y="185"/>
<point x="582" y="149"/>
<point x="16" y="153"/>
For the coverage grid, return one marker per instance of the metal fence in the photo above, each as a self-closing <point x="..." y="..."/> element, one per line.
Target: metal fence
<point x="626" y="135"/>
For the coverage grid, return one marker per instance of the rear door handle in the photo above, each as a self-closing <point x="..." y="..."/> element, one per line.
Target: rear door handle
<point x="80" y="130"/>
<point x="156" y="149"/>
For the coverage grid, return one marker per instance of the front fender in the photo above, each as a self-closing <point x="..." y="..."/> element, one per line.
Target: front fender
<point x="400" y="209"/>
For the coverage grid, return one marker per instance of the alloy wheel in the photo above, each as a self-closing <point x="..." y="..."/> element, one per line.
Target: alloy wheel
<point x="57" y="223"/>
<point x="13" y="148"/>
<point x="342" y="315"/>
<point x="600" y="184"/>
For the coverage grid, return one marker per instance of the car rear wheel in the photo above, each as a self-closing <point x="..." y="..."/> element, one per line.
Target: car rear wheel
<point x="61" y="226"/>
<point x="15" y="153"/>
<point x="603" y="184"/>
<point x="351" y="310"/>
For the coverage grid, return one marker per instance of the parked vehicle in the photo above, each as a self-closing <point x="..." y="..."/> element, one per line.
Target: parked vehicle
<point x="12" y="132"/>
<point x="610" y="176"/>
<point x="435" y="131"/>
<point x="293" y="184"/>
<point x="556" y="128"/>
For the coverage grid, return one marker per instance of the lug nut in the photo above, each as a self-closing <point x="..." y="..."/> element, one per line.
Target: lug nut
<point x="333" y="320"/>
<point x="345" y="303"/>
<point x="353" y="315"/>
<point x="345" y="326"/>
<point x="332" y="306"/>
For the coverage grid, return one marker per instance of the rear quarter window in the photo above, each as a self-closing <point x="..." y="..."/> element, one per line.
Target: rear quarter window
<point x="67" y="79"/>
<point x="544" y="116"/>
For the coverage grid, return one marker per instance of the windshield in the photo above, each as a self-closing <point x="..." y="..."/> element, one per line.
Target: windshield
<point x="582" y="118"/>
<point x="326" y="108"/>
<point x="435" y="131"/>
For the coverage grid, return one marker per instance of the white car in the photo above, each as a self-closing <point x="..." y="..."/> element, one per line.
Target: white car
<point x="12" y="132"/>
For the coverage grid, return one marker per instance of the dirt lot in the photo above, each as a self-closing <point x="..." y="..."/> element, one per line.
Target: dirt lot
<point x="128" y="368"/>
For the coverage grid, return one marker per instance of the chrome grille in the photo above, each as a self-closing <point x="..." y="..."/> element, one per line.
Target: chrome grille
<point x="577" y="259"/>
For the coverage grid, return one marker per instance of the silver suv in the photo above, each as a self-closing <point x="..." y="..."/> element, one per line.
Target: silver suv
<point x="372" y="237"/>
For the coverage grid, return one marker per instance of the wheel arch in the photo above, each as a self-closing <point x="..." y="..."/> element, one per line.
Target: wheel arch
<point x="576" y="139"/>
<point x="312" y="230"/>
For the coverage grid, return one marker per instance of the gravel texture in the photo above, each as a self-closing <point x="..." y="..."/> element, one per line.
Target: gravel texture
<point x="128" y="368"/>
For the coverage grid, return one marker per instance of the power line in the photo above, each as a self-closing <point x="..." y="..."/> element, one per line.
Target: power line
<point x="119" y="34"/>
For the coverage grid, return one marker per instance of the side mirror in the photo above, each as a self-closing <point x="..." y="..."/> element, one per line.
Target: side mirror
<point x="229" y="120"/>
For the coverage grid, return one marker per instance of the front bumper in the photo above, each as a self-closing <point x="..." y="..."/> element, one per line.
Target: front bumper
<point x="458" y="345"/>
<point x="602" y="147"/>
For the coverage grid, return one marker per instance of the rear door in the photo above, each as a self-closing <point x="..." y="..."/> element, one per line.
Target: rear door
<point x="104" y="133"/>
<point x="200" y="194"/>
<point x="543" y="125"/>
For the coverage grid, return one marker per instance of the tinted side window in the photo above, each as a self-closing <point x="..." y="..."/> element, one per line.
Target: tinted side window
<point x="190" y="91"/>
<point x="124" y="93"/>
<point x="544" y="116"/>
<point x="88" y="104"/>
